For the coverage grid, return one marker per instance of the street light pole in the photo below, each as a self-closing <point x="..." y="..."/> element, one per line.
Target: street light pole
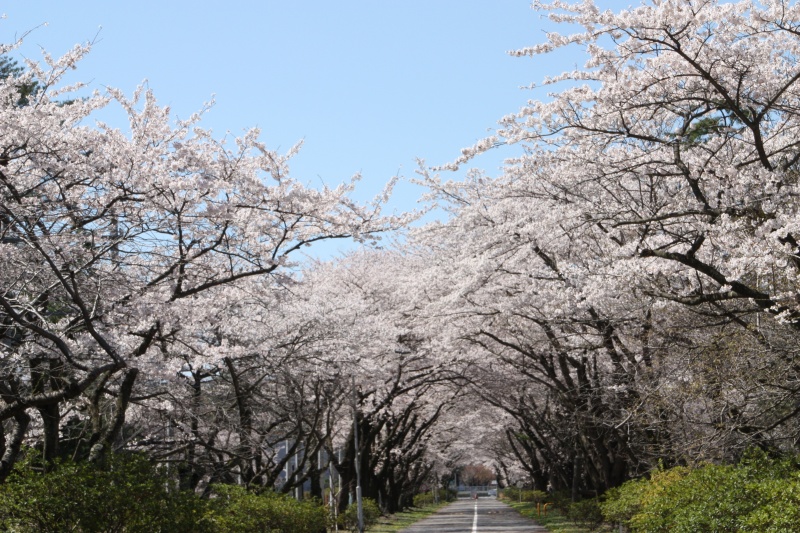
<point x="357" y="456"/>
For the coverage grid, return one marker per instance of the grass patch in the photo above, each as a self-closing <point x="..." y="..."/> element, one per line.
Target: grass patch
<point x="554" y="521"/>
<point x="398" y="521"/>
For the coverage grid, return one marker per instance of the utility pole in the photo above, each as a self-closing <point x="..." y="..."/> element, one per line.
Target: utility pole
<point x="357" y="456"/>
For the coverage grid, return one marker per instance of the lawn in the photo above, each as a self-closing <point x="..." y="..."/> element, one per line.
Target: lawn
<point x="398" y="521"/>
<point x="554" y="521"/>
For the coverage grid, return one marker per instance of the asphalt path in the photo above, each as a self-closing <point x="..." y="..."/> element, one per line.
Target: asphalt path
<point x="484" y="515"/>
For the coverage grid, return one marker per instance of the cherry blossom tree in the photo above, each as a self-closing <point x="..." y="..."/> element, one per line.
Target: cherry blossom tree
<point x="651" y="215"/>
<point x="113" y="240"/>
<point x="534" y="340"/>
<point x="395" y="386"/>
<point x="623" y="294"/>
<point x="677" y="141"/>
<point x="476" y="474"/>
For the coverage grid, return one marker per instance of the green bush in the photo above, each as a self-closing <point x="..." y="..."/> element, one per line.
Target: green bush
<point x="586" y="513"/>
<point x="624" y="503"/>
<point x="510" y="493"/>
<point x="349" y="519"/>
<point x="128" y="495"/>
<point x="236" y="510"/>
<point x="758" y="494"/>
<point x="561" y="500"/>
<point x="427" y="498"/>
<point x="525" y="495"/>
<point x="125" y="494"/>
<point x="423" y="499"/>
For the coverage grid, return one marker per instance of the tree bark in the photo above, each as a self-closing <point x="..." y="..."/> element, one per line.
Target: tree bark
<point x="100" y="449"/>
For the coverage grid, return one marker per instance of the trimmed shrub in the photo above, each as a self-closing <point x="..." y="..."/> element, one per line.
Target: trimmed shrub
<point x="758" y="494"/>
<point x="125" y="494"/>
<point x="624" y="503"/>
<point x="586" y="513"/>
<point x="422" y="499"/>
<point x="524" y="495"/>
<point x="427" y="498"/>
<point x="236" y="510"/>
<point x="349" y="519"/>
<point x="128" y="495"/>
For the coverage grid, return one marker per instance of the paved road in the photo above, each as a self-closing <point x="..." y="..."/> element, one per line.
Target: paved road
<point x="484" y="515"/>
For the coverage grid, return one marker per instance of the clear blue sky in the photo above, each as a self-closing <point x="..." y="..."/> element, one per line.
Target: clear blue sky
<point x="369" y="85"/>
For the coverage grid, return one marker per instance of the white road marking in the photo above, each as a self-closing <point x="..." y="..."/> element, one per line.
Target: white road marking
<point x="475" y="520"/>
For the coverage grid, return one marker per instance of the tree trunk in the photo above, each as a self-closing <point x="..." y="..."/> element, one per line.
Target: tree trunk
<point x="14" y="445"/>
<point x="101" y="448"/>
<point x="42" y="375"/>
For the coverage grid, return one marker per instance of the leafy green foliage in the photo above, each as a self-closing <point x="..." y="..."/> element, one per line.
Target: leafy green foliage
<point x="555" y="520"/>
<point x="525" y="495"/>
<point x="586" y="513"/>
<point x="427" y="498"/>
<point x="9" y="68"/>
<point x="235" y="510"/>
<point x="126" y="494"/>
<point x="702" y="129"/>
<point x="627" y="503"/>
<point x="349" y="519"/>
<point x="758" y="494"/>
<point x="423" y="498"/>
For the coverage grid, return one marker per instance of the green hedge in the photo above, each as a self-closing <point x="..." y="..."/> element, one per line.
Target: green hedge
<point x="524" y="495"/>
<point x="234" y="510"/>
<point x="758" y="494"/>
<point x="128" y="495"/>
<point x="348" y="520"/>
<point x="427" y="498"/>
